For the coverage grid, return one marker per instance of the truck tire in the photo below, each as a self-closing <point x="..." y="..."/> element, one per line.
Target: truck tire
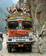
<point x="9" y="50"/>
<point x="29" y="48"/>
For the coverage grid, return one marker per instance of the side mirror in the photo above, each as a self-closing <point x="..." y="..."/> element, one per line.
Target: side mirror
<point x="6" y="20"/>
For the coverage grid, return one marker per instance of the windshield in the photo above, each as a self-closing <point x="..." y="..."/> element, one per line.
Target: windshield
<point x="27" y="25"/>
<point x="12" y="25"/>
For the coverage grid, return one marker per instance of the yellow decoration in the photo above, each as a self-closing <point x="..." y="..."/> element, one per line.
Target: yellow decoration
<point x="12" y="17"/>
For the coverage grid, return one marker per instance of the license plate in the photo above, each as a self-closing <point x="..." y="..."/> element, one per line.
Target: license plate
<point x="20" y="40"/>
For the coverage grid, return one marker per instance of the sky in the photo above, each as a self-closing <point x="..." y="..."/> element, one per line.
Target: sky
<point x="15" y="1"/>
<point x="6" y="3"/>
<point x="3" y="5"/>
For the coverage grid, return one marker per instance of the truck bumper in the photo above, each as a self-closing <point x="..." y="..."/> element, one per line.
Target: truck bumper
<point x="18" y="45"/>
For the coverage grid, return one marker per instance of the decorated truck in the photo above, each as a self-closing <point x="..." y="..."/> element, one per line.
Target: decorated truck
<point x="19" y="30"/>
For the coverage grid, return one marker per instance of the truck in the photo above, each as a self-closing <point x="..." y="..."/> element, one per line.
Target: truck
<point x="18" y="32"/>
<point x="1" y="40"/>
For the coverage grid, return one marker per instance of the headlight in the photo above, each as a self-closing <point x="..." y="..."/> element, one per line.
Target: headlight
<point x="30" y="38"/>
<point x="9" y="39"/>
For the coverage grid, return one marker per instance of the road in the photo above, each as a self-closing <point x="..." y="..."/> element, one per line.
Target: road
<point x="4" y="51"/>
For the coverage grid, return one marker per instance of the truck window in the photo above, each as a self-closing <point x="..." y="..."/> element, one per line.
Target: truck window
<point x="12" y="25"/>
<point x="27" y="24"/>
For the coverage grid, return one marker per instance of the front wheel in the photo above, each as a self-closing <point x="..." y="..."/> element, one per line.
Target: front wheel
<point x="29" y="48"/>
<point x="9" y="49"/>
